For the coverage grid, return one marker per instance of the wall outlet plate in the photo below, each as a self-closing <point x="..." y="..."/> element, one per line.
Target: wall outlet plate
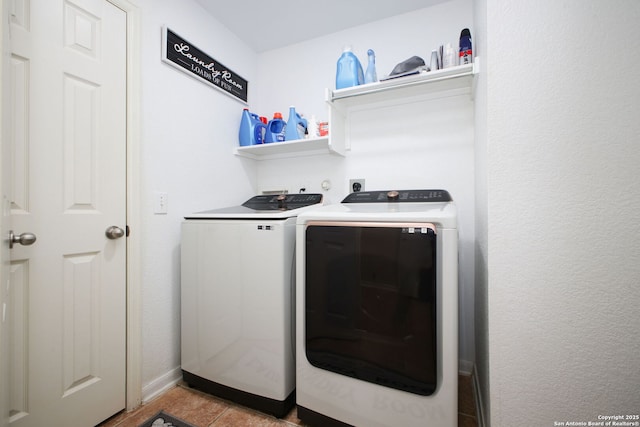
<point x="160" y="203"/>
<point x="356" y="184"/>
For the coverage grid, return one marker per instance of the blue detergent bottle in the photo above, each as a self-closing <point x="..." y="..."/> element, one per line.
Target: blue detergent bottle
<point x="371" y="76"/>
<point x="252" y="130"/>
<point x="296" y="126"/>
<point x="348" y="70"/>
<point x="275" y="129"/>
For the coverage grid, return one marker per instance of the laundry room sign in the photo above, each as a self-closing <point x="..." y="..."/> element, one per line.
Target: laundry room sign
<point x="183" y="55"/>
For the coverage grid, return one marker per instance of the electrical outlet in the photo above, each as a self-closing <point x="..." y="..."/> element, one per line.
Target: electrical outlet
<point x="356" y="185"/>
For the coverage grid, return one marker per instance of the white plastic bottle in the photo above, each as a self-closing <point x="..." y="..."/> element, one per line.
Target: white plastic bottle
<point x="449" y="59"/>
<point x="312" y="127"/>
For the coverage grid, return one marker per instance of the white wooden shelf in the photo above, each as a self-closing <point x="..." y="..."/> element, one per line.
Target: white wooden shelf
<point x="299" y="147"/>
<point x="454" y="80"/>
<point x="458" y="80"/>
<point x="427" y="85"/>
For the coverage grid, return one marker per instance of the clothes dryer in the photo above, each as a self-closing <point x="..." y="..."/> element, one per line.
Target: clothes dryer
<point x="237" y="300"/>
<point x="377" y="311"/>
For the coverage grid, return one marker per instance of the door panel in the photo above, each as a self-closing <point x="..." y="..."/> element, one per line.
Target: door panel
<point x="68" y="152"/>
<point x="19" y="102"/>
<point x="19" y="324"/>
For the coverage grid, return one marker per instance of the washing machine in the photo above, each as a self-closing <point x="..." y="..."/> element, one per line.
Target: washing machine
<point x="377" y="311"/>
<point x="237" y="300"/>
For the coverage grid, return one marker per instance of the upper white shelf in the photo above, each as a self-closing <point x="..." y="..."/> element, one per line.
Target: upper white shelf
<point x="458" y="79"/>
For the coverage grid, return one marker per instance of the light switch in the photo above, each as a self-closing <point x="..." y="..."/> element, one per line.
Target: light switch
<point x="160" y="203"/>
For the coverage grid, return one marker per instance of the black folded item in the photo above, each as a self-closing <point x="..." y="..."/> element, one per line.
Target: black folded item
<point x="413" y="65"/>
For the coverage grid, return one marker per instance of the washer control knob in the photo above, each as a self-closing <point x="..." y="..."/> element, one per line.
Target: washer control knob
<point x="393" y="195"/>
<point x="281" y="201"/>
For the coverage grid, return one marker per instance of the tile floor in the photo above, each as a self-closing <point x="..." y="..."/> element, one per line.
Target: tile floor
<point x="204" y="410"/>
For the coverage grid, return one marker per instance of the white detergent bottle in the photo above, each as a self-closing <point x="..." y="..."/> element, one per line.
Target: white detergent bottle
<point x="312" y="127"/>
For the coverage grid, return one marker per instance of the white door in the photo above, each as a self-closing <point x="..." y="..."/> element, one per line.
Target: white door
<point x="67" y="292"/>
<point x="5" y="224"/>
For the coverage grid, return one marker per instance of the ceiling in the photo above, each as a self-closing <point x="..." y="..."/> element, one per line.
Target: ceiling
<point x="266" y="25"/>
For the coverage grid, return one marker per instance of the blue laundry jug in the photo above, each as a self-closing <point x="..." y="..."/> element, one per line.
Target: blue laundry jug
<point x="296" y="126"/>
<point x="252" y="130"/>
<point x="275" y="129"/>
<point x="348" y="70"/>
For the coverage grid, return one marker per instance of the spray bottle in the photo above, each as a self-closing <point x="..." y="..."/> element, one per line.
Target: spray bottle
<point x="371" y="76"/>
<point x="465" y="53"/>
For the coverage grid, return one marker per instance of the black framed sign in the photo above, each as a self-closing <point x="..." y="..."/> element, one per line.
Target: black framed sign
<point x="181" y="54"/>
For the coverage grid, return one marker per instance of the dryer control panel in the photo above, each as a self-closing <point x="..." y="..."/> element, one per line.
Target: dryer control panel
<point x="282" y="201"/>
<point x="395" y="196"/>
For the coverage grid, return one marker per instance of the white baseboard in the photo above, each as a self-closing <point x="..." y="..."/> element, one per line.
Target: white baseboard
<point x="161" y="384"/>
